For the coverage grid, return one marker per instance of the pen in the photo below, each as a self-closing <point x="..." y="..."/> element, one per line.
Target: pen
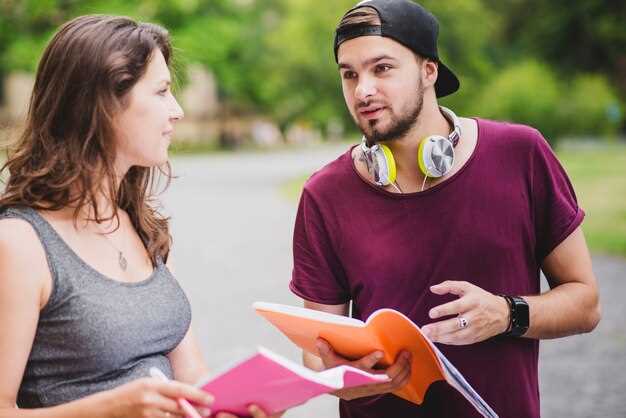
<point x="190" y="411"/>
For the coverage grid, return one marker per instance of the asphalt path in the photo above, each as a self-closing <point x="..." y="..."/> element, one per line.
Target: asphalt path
<point x="232" y="229"/>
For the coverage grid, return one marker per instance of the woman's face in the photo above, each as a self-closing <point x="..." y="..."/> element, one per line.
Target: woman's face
<point x="144" y="128"/>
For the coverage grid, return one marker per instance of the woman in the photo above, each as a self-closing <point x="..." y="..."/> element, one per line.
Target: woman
<point x="88" y="304"/>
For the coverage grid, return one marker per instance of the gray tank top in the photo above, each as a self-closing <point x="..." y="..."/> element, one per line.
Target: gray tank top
<point x="96" y="333"/>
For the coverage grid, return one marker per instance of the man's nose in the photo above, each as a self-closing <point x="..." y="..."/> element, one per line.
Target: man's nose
<point x="365" y="89"/>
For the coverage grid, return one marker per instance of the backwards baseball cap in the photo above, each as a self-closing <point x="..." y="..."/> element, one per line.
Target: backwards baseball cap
<point x="409" y="24"/>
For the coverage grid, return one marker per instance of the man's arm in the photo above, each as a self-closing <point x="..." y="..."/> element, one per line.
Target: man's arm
<point x="312" y="361"/>
<point x="570" y="307"/>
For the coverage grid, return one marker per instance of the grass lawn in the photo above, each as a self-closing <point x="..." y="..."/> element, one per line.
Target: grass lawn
<point x="599" y="178"/>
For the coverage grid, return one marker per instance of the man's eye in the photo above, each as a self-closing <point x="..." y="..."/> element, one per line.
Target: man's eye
<point x="347" y="75"/>
<point x="383" y="68"/>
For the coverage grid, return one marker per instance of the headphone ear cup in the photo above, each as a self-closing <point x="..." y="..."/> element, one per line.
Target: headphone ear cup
<point x="435" y="156"/>
<point x="421" y="160"/>
<point x="390" y="165"/>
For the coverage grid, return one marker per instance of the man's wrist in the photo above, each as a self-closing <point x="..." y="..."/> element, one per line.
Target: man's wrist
<point x="507" y="315"/>
<point x="519" y="316"/>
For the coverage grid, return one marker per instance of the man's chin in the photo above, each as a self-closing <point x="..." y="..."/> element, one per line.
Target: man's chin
<point x="374" y="134"/>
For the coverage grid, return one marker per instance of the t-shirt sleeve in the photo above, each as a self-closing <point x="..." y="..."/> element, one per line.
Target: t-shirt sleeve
<point x="317" y="272"/>
<point x="556" y="210"/>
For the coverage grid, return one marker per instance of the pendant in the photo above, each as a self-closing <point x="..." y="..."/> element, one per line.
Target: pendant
<point x="122" y="261"/>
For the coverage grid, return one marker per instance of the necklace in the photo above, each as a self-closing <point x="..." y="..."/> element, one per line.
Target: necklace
<point x="121" y="260"/>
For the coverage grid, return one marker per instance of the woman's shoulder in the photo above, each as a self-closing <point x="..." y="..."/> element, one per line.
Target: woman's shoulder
<point x="16" y="229"/>
<point x="19" y="240"/>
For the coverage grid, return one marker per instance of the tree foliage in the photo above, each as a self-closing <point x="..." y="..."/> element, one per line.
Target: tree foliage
<point x="526" y="60"/>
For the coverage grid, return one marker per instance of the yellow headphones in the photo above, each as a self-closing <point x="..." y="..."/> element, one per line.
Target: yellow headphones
<point x="435" y="154"/>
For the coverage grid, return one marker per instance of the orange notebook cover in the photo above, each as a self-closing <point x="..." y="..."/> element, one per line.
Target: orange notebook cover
<point x="386" y="330"/>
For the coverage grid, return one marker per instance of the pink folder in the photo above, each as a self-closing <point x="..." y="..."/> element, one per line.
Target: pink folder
<point x="275" y="384"/>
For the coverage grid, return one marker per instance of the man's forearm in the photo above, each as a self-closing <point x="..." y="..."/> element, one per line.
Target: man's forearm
<point x="568" y="309"/>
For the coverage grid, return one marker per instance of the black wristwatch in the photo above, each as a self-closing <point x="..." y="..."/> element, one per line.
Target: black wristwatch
<point x="519" y="316"/>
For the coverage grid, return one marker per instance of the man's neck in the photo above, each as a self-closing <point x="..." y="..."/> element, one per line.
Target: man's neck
<point x="429" y="122"/>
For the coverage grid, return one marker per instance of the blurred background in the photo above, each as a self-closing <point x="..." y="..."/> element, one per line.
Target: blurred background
<point x="263" y="104"/>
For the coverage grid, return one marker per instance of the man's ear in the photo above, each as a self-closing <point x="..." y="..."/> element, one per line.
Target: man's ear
<point x="430" y="72"/>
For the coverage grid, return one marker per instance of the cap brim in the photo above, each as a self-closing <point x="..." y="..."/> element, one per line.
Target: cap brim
<point x="447" y="83"/>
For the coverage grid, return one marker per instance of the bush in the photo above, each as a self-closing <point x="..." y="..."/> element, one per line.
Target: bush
<point x="590" y="108"/>
<point x="526" y="93"/>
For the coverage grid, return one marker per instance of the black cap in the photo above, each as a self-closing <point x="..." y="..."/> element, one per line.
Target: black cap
<point x="409" y="24"/>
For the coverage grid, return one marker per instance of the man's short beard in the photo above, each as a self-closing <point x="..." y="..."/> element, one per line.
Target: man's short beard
<point x="399" y="126"/>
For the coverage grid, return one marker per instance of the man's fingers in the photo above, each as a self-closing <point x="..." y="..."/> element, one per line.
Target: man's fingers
<point x="451" y="308"/>
<point x="402" y="363"/>
<point x="451" y="286"/>
<point x="462" y="337"/>
<point x="437" y="330"/>
<point x="402" y="377"/>
<point x="332" y="359"/>
<point x="369" y="361"/>
<point x="327" y="354"/>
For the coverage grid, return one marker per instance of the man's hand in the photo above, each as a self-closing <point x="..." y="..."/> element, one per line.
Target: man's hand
<point x="398" y="373"/>
<point x="480" y="315"/>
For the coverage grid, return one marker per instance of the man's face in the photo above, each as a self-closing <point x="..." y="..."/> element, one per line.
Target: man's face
<point x="382" y="86"/>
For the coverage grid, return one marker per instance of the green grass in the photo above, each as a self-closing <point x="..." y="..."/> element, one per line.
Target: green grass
<point x="599" y="178"/>
<point x="598" y="174"/>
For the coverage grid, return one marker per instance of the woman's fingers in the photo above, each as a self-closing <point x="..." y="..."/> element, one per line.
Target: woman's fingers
<point x="175" y="390"/>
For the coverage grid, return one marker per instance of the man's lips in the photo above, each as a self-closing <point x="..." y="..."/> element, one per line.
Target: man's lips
<point x="371" y="112"/>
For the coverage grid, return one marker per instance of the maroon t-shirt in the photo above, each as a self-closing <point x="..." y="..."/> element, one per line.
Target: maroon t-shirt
<point x="492" y="223"/>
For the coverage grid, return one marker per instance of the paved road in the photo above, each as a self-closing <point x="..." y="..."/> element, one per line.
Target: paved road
<point x="232" y="246"/>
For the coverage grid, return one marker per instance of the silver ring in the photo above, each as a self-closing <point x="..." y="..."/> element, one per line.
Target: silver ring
<point x="463" y="323"/>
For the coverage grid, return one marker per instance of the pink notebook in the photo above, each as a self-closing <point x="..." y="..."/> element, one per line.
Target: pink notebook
<point x="275" y="384"/>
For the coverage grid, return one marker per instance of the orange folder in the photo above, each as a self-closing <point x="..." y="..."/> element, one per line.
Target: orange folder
<point x="386" y="330"/>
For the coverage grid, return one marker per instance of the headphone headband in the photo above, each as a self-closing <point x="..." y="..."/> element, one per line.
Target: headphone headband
<point x="454" y="121"/>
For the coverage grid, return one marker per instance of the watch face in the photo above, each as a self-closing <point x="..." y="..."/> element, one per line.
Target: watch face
<point x="522" y="314"/>
<point x="522" y="317"/>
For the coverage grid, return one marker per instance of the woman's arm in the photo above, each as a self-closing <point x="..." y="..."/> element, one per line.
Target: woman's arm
<point x="23" y="277"/>
<point x="186" y="359"/>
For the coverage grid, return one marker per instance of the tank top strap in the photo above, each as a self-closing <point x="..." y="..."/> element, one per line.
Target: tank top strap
<point x="52" y="243"/>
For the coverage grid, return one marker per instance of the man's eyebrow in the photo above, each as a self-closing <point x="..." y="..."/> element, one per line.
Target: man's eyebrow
<point x="369" y="61"/>
<point x="379" y="58"/>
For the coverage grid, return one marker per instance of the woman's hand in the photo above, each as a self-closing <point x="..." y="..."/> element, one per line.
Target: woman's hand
<point x="255" y="411"/>
<point x="153" y="398"/>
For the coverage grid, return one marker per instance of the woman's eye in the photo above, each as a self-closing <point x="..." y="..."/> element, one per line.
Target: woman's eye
<point x="347" y="75"/>
<point x="383" y="68"/>
<point x="162" y="92"/>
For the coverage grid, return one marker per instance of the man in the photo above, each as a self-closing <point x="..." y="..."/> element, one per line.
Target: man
<point x="452" y="234"/>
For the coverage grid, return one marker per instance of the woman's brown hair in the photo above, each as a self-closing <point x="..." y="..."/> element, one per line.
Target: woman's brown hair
<point x="65" y="155"/>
